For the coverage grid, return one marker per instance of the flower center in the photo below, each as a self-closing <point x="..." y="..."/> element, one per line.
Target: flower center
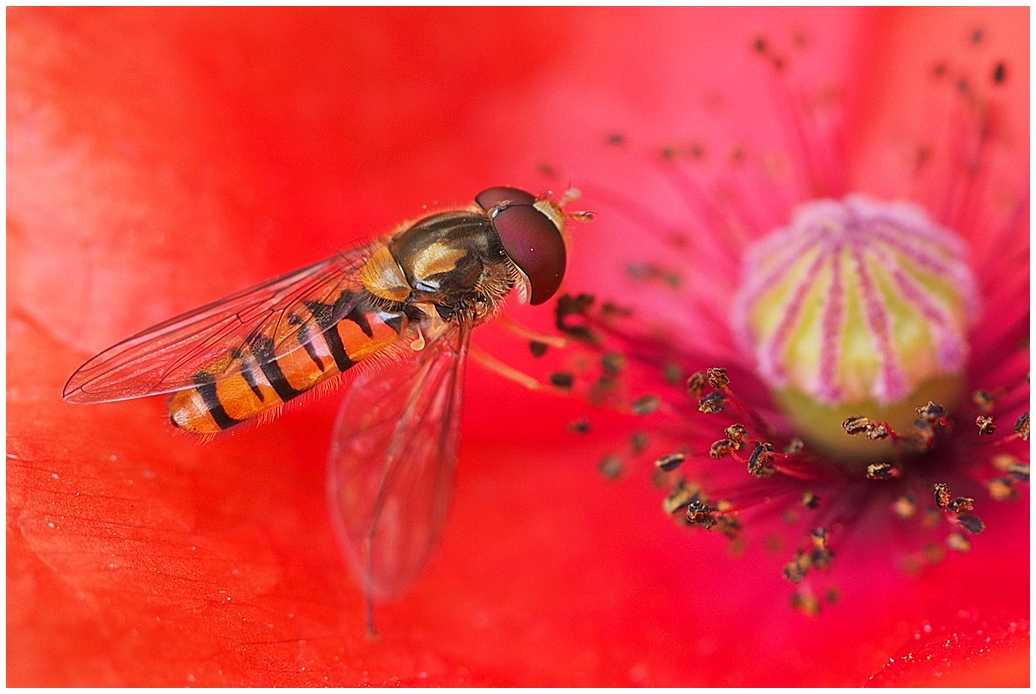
<point x="858" y="307"/>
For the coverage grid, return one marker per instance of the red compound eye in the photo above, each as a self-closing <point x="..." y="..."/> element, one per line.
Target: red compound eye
<point x="491" y="197"/>
<point x="530" y="238"/>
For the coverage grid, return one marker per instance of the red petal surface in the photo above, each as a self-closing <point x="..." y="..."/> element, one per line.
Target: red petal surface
<point x="158" y="159"/>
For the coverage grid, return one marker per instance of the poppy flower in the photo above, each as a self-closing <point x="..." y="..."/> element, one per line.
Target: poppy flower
<point x="160" y="159"/>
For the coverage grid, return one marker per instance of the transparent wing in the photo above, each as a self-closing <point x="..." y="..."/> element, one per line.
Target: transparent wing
<point x="392" y="463"/>
<point x="165" y="358"/>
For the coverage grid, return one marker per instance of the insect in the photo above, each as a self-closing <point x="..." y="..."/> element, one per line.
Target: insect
<point x="401" y="309"/>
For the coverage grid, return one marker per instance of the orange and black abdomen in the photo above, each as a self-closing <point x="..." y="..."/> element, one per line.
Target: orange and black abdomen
<point x="310" y="348"/>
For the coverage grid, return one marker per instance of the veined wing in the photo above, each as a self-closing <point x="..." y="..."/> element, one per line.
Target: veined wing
<point x="392" y="463"/>
<point x="286" y="313"/>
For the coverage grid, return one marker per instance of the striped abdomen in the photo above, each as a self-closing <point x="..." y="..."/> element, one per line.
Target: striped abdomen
<point x="272" y="370"/>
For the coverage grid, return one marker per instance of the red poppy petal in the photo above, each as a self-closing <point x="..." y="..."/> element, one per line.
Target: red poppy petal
<point x="158" y="159"/>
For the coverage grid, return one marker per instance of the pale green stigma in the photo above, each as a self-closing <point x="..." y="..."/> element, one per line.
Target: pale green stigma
<point x="858" y="307"/>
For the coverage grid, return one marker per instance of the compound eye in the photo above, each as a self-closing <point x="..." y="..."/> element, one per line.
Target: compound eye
<point x="491" y="197"/>
<point x="533" y="242"/>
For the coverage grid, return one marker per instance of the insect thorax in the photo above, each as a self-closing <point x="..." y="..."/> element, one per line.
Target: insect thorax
<point x="453" y="261"/>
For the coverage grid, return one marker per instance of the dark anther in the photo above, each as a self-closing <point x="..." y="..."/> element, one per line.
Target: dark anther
<point x="562" y="379"/>
<point x="942" y="495"/>
<point x="923" y="433"/>
<point x="1001" y="488"/>
<point x="809" y="499"/>
<point x="569" y="306"/>
<point x="611" y="466"/>
<point x="668" y="463"/>
<point x="613" y="363"/>
<point x="728" y="525"/>
<point x="579" y="426"/>
<point x="794" y="446"/>
<point x="957" y="542"/>
<point x="973" y="524"/>
<point x="877" y="431"/>
<point x="857" y="424"/>
<point x="985" y="425"/>
<point x="717" y="377"/>
<point x="611" y="309"/>
<point x="721" y="448"/>
<point x="821" y="555"/>
<point x="646" y="404"/>
<point x="700" y="513"/>
<point x="798" y="567"/>
<point x="905" y="506"/>
<point x="1021" y="427"/>
<point x="712" y="403"/>
<point x="999" y="73"/>
<point x="962" y="504"/>
<point x="806" y="602"/>
<point x="696" y="384"/>
<point x="882" y="471"/>
<point x="984" y="401"/>
<point x="736" y="432"/>
<point x="678" y="498"/>
<point x="931" y="412"/>
<point x="760" y="462"/>
<point x="538" y="348"/>
<point x="1018" y="471"/>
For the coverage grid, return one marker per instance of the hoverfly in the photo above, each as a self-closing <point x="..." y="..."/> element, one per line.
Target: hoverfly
<point x="403" y="307"/>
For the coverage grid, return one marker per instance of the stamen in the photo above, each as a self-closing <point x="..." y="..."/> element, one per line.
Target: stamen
<point x="700" y="513"/>
<point x="611" y="466"/>
<point x="717" y="378"/>
<point x="679" y="498"/>
<point x="722" y="448"/>
<point x="984" y="401"/>
<point x="569" y="306"/>
<point x="713" y="403"/>
<point x="973" y="524"/>
<point x="668" y="463"/>
<point x="957" y="542"/>
<point x="798" y="567"/>
<point x="579" y="426"/>
<point x="736" y="433"/>
<point x="760" y="463"/>
<point x="639" y="440"/>
<point x="810" y="500"/>
<point x="905" y="507"/>
<point x="696" y="384"/>
<point x="646" y="405"/>
<point x="882" y="471"/>
<point x="1021" y="427"/>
